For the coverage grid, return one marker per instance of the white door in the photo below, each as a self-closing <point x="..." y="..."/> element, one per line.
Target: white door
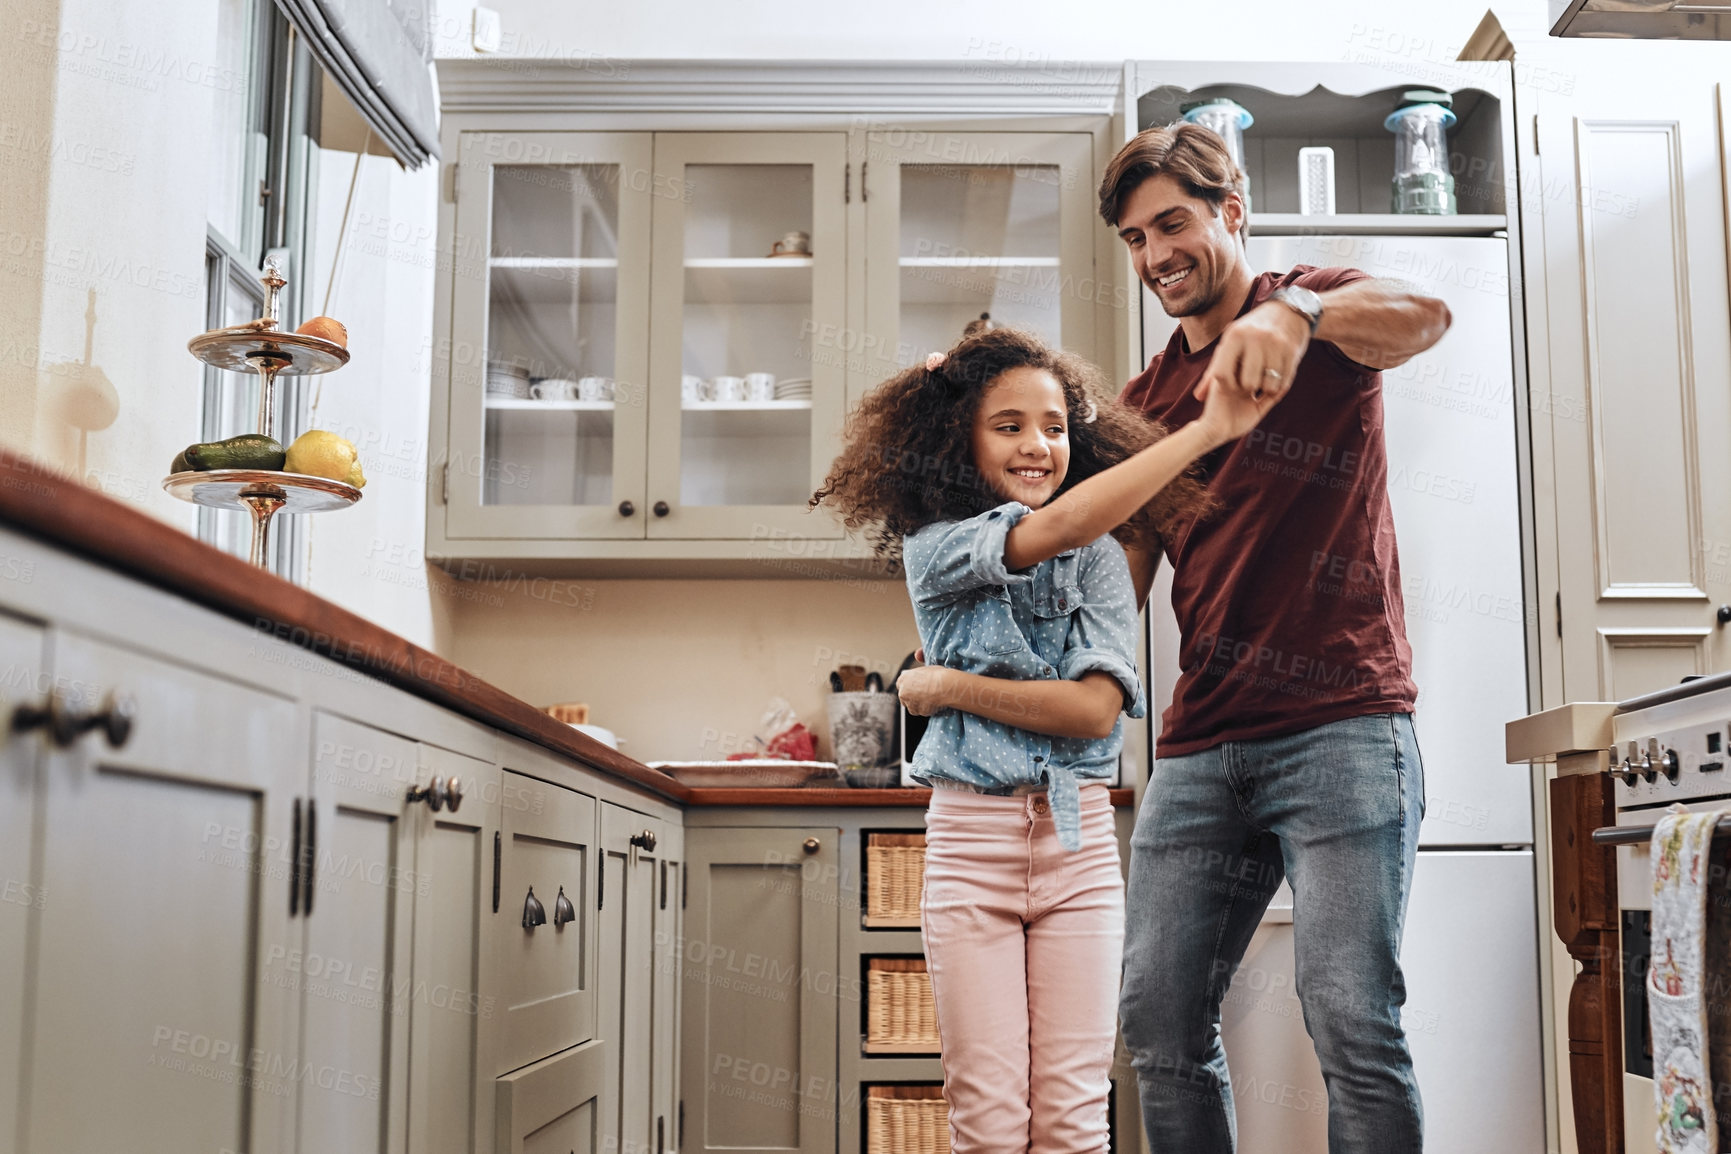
<point x="449" y="1015"/>
<point x="750" y="269"/>
<point x="549" y="354"/>
<point x="1452" y="484"/>
<point x="25" y="686"/>
<point x="1638" y="390"/>
<point x="167" y="870"/>
<point x="353" y="972"/>
<point x="964" y="223"/>
<point x="626" y="982"/>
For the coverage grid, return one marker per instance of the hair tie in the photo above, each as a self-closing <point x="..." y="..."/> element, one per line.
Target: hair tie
<point x="1092" y="413"/>
<point x="933" y="361"/>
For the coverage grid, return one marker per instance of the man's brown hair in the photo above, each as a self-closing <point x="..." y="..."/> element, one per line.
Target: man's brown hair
<point x="1192" y="155"/>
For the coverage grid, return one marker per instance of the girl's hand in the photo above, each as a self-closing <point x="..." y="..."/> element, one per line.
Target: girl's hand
<point x="923" y="690"/>
<point x="1228" y="411"/>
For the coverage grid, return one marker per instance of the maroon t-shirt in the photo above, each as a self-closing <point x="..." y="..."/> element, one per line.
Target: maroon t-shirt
<point x="1288" y="595"/>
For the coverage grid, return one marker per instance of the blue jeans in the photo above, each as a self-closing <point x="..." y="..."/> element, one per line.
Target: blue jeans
<point x="1336" y="810"/>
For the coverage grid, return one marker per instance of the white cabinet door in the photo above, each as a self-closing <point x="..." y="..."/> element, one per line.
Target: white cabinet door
<point x="550" y="312"/>
<point x="554" y="1106"/>
<point x="626" y="985"/>
<point x="964" y="223"/>
<point x="1636" y="391"/>
<point x="452" y="998"/>
<point x="23" y="685"/>
<point x="166" y="865"/>
<point x="750" y="265"/>
<point x="354" y="969"/>
<point x="546" y="970"/>
<point x="664" y="991"/>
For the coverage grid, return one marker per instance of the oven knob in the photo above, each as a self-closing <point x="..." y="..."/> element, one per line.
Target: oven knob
<point x="1672" y="770"/>
<point x="1628" y="774"/>
<point x="1649" y="770"/>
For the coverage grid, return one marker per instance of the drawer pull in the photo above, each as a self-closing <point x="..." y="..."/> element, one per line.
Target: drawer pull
<point x="65" y="724"/>
<point x="534" y="913"/>
<point x="439" y="794"/>
<point x="812" y="845"/>
<point x="563" y="911"/>
<point x="644" y="841"/>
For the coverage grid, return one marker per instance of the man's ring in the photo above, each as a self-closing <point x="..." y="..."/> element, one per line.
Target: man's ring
<point x="1275" y="373"/>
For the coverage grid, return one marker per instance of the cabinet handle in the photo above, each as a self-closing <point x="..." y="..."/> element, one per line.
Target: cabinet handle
<point x="310" y="859"/>
<point x="65" y="724"/>
<point x="1724" y="614"/>
<point x="534" y="913"/>
<point x="644" y="841"/>
<point x="438" y="794"/>
<point x="627" y="509"/>
<point x="812" y="845"/>
<point x="498" y="840"/>
<point x="661" y="509"/>
<point x="295" y="861"/>
<point x="563" y="911"/>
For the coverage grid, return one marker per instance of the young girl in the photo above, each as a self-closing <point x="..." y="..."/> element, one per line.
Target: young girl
<point x="1001" y="472"/>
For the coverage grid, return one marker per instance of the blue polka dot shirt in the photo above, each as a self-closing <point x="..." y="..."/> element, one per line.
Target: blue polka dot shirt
<point x="1068" y="615"/>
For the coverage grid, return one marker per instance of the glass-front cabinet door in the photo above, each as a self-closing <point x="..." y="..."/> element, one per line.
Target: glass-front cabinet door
<point x="960" y="224"/>
<point x="749" y="275"/>
<point x="549" y="357"/>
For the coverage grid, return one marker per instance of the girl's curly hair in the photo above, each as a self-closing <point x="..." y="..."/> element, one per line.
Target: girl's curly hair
<point x="908" y="460"/>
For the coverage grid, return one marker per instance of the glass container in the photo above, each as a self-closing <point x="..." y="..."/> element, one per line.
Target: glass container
<point x="1422" y="183"/>
<point x="1227" y="119"/>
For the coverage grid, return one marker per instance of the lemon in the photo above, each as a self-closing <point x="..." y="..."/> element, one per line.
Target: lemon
<point x="356" y="477"/>
<point x="318" y="453"/>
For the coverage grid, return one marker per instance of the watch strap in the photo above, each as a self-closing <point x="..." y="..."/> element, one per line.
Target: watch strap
<point x="1302" y="301"/>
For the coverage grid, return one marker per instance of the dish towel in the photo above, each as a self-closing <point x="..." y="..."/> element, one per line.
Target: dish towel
<point x="1676" y="1000"/>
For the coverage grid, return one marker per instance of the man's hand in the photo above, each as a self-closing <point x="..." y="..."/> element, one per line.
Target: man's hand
<point x="923" y="690"/>
<point x="1229" y="411"/>
<point x="1257" y="354"/>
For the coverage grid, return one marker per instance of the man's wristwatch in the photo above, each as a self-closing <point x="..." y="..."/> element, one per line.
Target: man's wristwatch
<point x="1301" y="301"/>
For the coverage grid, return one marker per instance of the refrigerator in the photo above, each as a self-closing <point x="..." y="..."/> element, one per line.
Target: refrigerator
<point x="1470" y="949"/>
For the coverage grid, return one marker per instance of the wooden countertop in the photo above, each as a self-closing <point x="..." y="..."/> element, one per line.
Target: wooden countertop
<point x="48" y="505"/>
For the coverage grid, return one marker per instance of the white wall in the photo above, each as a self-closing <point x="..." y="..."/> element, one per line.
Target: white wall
<point x="105" y="147"/>
<point x="983" y="31"/>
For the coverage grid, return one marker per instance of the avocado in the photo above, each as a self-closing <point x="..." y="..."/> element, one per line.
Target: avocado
<point x="180" y="465"/>
<point x="247" y="451"/>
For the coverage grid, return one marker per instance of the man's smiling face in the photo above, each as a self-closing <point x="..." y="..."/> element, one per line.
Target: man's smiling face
<point x="1183" y="250"/>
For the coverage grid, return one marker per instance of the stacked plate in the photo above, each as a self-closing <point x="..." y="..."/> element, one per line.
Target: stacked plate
<point x="506" y="380"/>
<point x="795" y="390"/>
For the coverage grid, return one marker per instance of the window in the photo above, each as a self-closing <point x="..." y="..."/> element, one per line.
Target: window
<point x="256" y="206"/>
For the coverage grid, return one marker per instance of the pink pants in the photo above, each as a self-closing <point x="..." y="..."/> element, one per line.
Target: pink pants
<point x="1024" y="942"/>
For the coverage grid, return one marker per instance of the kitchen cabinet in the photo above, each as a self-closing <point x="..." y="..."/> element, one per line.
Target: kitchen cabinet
<point x="545" y="929"/>
<point x="638" y="907"/>
<point x="452" y="997"/>
<point x="824" y="251"/>
<point x="166" y="865"/>
<point x="759" y="1010"/>
<point x="22" y="657"/>
<point x="555" y="1104"/>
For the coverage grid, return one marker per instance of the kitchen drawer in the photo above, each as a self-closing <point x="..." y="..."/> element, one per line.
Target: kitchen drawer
<point x="546" y="971"/>
<point x="553" y="1106"/>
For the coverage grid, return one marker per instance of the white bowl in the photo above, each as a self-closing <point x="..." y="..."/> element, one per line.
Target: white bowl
<point x="604" y="736"/>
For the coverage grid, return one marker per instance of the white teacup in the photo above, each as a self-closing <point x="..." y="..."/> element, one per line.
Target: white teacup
<point x="729" y="388"/>
<point x="795" y="243"/>
<point x="553" y="389"/>
<point x="760" y="386"/>
<point x="694" y="390"/>
<point x="595" y="389"/>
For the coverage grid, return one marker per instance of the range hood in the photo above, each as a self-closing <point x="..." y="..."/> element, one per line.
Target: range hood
<point x="1641" y="19"/>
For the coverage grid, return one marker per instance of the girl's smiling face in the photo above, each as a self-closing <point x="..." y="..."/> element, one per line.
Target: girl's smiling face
<point x="1022" y="436"/>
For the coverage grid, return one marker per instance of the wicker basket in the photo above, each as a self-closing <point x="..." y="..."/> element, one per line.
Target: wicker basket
<point x="895" y="875"/>
<point x="907" y="1120"/>
<point x="901" y="1017"/>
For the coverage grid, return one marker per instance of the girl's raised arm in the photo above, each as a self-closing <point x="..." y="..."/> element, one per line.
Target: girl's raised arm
<point x="1106" y="500"/>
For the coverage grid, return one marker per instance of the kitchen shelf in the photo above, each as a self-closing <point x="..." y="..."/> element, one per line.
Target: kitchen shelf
<point x="899" y="1049"/>
<point x="980" y="282"/>
<point x="1375" y="224"/>
<point x="536" y="281"/>
<point x="979" y="262"/>
<point x="748" y="280"/>
<point x="747" y="419"/>
<point x="882" y="923"/>
<point x="552" y="262"/>
<point x="531" y="405"/>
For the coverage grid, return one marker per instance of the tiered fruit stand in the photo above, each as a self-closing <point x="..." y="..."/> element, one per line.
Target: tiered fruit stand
<point x="262" y="347"/>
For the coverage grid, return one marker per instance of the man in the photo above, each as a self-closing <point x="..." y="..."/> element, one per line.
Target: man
<point x="1288" y="750"/>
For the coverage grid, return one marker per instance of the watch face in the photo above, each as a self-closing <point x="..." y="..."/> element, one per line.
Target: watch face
<point x="1301" y="300"/>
